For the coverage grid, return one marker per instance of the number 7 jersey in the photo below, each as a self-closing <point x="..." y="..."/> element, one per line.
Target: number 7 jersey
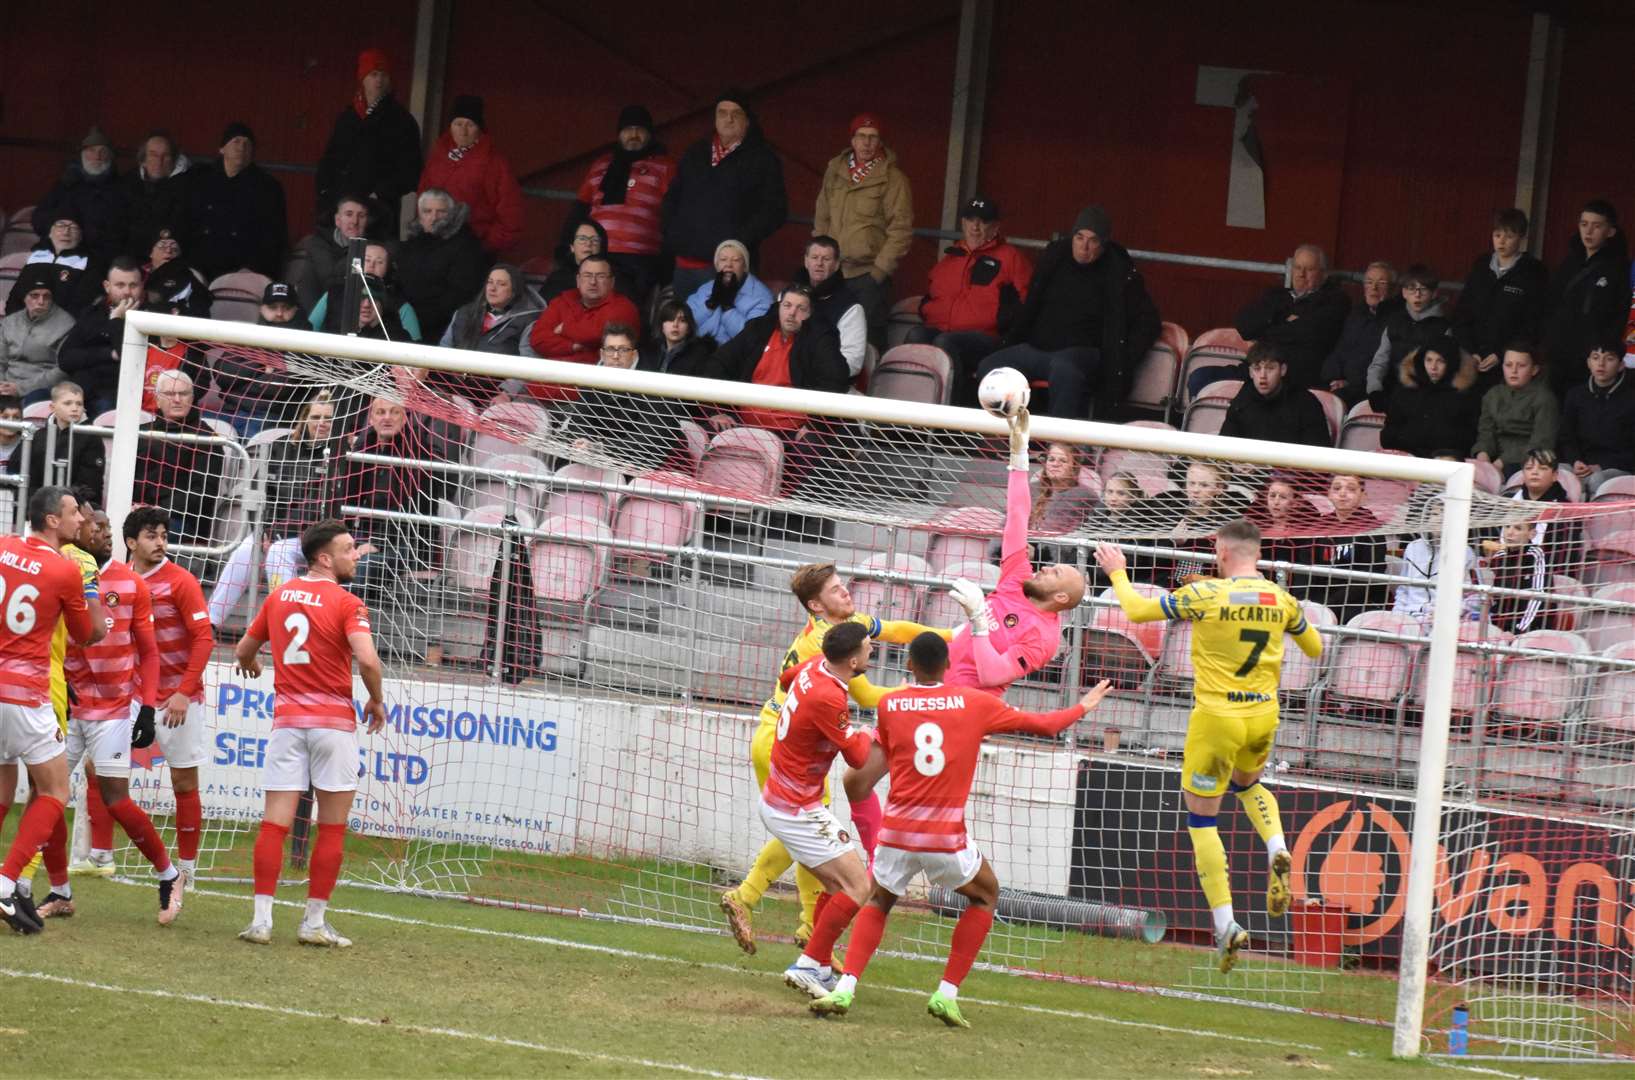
<point x="1238" y="628"/>
<point x="307" y="623"/>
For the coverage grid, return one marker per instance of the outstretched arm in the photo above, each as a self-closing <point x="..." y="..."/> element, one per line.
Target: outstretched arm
<point x="1013" y="548"/>
<point x="1008" y="720"/>
<point x="1136" y="607"/>
<point x="902" y="631"/>
<point x="1305" y="636"/>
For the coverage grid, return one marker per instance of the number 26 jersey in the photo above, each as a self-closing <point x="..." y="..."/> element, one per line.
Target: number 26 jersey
<point x="307" y="622"/>
<point x="1238" y="628"/>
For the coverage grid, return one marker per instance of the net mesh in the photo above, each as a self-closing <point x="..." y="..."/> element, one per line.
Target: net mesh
<point x="582" y="599"/>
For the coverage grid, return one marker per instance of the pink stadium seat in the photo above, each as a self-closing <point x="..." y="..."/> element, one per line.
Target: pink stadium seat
<point x="1609" y="516"/>
<point x="1361" y="428"/>
<point x="1570" y="483"/>
<point x="891" y="600"/>
<point x="1175" y="657"/>
<point x="1117" y="649"/>
<point x="1603" y="628"/>
<point x="1539" y="690"/>
<point x="1610" y="559"/>
<point x="1375" y="672"/>
<point x="493" y="490"/>
<point x="568" y="565"/>
<point x="941" y="609"/>
<point x="1333" y="410"/>
<point x="1212" y="348"/>
<point x="1488" y="476"/>
<point x="520" y="418"/>
<point x="473" y="553"/>
<point x="694" y="442"/>
<point x="1300" y="672"/>
<point x="19" y="233"/>
<point x="971" y="531"/>
<point x="237" y="296"/>
<point x="1151" y="471"/>
<point x="589" y="505"/>
<point x="1468" y="667"/>
<point x="917" y="373"/>
<point x="651" y="512"/>
<point x="10" y="266"/>
<point x="1611" y="711"/>
<point x="746" y="461"/>
<point x="1155" y="375"/>
<point x="1568" y="616"/>
<point x="905" y="316"/>
<point x="39" y="410"/>
<point x="1207" y="412"/>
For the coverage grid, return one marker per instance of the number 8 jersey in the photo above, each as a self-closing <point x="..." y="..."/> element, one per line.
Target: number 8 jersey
<point x="306" y="623"/>
<point x="1237" y="639"/>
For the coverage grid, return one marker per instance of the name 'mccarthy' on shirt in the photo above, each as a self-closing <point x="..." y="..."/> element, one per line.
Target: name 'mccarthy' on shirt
<point x="308" y="623"/>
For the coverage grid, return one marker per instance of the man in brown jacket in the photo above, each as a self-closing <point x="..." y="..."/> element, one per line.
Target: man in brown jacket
<point x="865" y="203"/>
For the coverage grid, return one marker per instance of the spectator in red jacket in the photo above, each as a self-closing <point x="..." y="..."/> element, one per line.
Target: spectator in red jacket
<point x="465" y="164"/>
<point x="972" y="295"/>
<point x="624" y="193"/>
<point x="570" y="327"/>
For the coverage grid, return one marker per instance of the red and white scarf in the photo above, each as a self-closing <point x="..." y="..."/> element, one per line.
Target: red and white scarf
<point x="456" y="152"/>
<point x="719" y="152"/>
<point x="859" y="171"/>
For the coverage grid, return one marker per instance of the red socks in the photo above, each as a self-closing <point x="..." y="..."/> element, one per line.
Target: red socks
<point x="38" y="822"/>
<point x="325" y="866"/>
<point x="867" y="931"/>
<point x="56" y="854"/>
<point x="969" y="934"/>
<point x="139" y="827"/>
<point x="189" y="816"/>
<point x="832" y="920"/>
<point x="102" y="825"/>
<point x="866" y="816"/>
<point x="269" y="857"/>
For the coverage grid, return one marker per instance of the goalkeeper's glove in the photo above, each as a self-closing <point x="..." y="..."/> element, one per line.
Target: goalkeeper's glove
<point x="968" y="594"/>
<point x="1019" y="440"/>
<point x="90" y="580"/>
<point x="143" y="730"/>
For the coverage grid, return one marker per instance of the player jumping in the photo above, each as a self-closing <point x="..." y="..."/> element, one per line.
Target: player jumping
<point x="36" y="586"/>
<point x="826" y="602"/>
<point x="932" y="737"/>
<point x="106" y="678"/>
<point x="1239" y="620"/>
<point x="316" y="628"/>
<point x="812" y="728"/>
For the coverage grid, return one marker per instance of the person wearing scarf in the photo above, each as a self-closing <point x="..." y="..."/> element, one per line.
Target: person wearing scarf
<point x="866" y="204"/>
<point x="623" y="193"/>
<point x="464" y="163"/>
<point x="373" y="149"/>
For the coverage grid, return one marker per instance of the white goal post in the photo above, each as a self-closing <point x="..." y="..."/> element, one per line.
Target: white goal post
<point x="1454" y="479"/>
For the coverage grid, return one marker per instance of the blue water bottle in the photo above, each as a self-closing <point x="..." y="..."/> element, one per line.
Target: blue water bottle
<point x="1459" y="1033"/>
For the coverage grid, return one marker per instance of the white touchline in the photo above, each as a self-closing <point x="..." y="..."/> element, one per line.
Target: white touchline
<point x="364" y="1021"/>
<point x="1481" y="1069"/>
<point x="632" y="954"/>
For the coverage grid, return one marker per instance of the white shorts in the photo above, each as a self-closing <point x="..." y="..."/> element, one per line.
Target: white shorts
<point x="184" y="747"/>
<point x="813" y="836"/>
<point x="322" y="758"/>
<point x="29" y="733"/>
<point x="105" y="743"/>
<point x="894" y="868"/>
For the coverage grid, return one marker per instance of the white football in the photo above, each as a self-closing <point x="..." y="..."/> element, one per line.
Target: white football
<point x="1004" y="391"/>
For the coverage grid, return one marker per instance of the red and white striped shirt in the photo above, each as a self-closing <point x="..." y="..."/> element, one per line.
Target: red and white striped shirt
<point x="812" y="729"/>
<point x="932" y="736"/>
<point x="635" y="226"/>
<point x="181" y="625"/>
<point x="37" y="584"/>
<point x="105" y="677"/>
<point x="308" y="622"/>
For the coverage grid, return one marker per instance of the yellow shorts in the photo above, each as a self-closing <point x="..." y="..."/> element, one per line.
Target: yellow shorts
<point x="760" y="752"/>
<point x="1218" y="743"/>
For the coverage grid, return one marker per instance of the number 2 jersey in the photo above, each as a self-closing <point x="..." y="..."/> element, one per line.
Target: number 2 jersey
<point x="37" y="585"/>
<point x="812" y="728"/>
<point x="932" y="736"/>
<point x="307" y="623"/>
<point x="1237" y="639"/>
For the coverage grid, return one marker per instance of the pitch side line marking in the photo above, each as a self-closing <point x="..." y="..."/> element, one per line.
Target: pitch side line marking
<point x="362" y="1021"/>
<point x="632" y="954"/>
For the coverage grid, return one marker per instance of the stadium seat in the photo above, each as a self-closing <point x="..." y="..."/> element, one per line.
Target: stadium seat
<point x="651" y="511"/>
<point x="1301" y="672"/>
<point x="1153" y="387"/>
<point x="1333" y="411"/>
<point x="1150" y="470"/>
<point x="536" y="269"/>
<point x="694" y="443"/>
<point x="894" y="599"/>
<point x="1602" y="628"/>
<point x="1361" y="428"/>
<point x="1541" y="691"/>
<point x="492" y="490"/>
<point x="917" y="373"/>
<point x="905" y="316"/>
<point x="19" y="233"/>
<point x="1567" y="616"/>
<point x="963" y="534"/>
<point x="1608" y="516"/>
<point x="941" y="609"/>
<point x="1174" y="667"/>
<point x="1212" y="348"/>
<point x="1207" y="412"/>
<point x="1488" y="476"/>
<point x="1610" y="559"/>
<point x="39" y="410"/>
<point x="581" y="503"/>
<point x="1117" y="649"/>
<point x="522" y="418"/>
<point x="1611" y="708"/>
<point x="570" y="562"/>
<point x="10" y="266"/>
<point x="1375" y="673"/>
<point x="473" y="553"/>
<point x="236" y="297"/>
<point x="1470" y="689"/>
<point x="746" y="461"/>
<point x="1569" y="481"/>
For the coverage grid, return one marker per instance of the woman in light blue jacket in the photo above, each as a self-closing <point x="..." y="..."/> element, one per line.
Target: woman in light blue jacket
<point x="724" y="305"/>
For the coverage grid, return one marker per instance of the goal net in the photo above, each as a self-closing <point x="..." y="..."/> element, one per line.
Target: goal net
<point x="579" y="582"/>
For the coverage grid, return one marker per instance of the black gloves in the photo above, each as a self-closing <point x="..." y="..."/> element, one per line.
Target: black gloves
<point x="143" y="731"/>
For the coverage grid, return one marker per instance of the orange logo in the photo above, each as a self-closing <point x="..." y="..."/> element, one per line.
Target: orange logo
<point x="1352" y="876"/>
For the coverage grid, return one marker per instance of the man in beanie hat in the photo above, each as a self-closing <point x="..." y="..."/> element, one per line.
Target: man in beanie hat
<point x="30" y="335"/>
<point x="728" y="186"/>
<point x="91" y="194"/>
<point x="722" y="307"/>
<point x="464" y="163"/>
<point x="865" y="203"/>
<point x="624" y="193"/>
<point x="1087" y="321"/>
<point x="74" y="273"/>
<point x="373" y="149"/>
<point x="236" y="211"/>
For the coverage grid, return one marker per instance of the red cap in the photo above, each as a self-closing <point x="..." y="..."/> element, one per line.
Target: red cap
<point x="866" y="119"/>
<point x="371" y="60"/>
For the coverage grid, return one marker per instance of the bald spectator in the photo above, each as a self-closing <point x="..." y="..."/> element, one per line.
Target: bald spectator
<point x="973" y="294"/>
<point x="1503" y="298"/>
<point x="157" y="193"/>
<point x="1086" y="322"/>
<point x="236" y="211"/>
<point x="441" y="264"/>
<point x="570" y="328"/>
<point x="30" y="335"/>
<point x="726" y="187"/>
<point x="373" y="149"/>
<point x="90" y="353"/>
<point x="623" y="192"/>
<point x="91" y="194"/>
<point x="320" y="257"/>
<point x="866" y="204"/>
<point x="1420" y="321"/>
<point x="1345" y="372"/>
<point x="465" y="163"/>
<point x="73" y="271"/>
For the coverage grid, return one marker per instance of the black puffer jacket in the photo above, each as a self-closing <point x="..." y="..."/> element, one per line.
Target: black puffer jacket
<point x="1598" y="425"/>
<point x="235" y="222"/>
<point x="1304" y="329"/>
<point x="1291" y="415"/>
<point x="1494" y="311"/>
<point x="1589" y="304"/>
<point x="437" y="272"/>
<point x="377" y="154"/>
<point x="1432" y="419"/>
<point x="101" y="205"/>
<point x="743" y="198"/>
<point x="815" y="362"/>
<point x="1359" y="340"/>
